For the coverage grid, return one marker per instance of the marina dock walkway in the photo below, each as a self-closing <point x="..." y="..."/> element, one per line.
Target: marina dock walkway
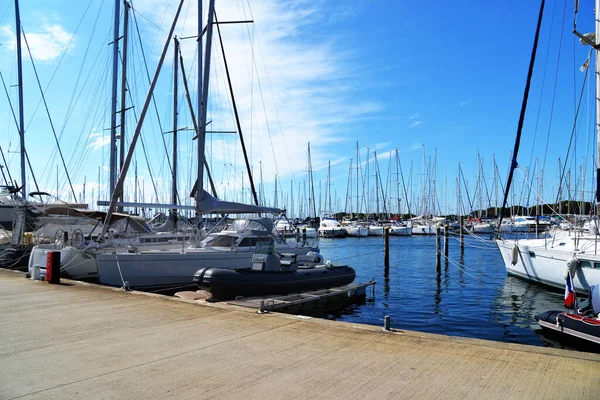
<point x="84" y="342"/>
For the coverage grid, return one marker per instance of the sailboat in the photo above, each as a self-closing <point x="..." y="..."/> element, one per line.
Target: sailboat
<point x="549" y="260"/>
<point x="330" y="227"/>
<point x="230" y="248"/>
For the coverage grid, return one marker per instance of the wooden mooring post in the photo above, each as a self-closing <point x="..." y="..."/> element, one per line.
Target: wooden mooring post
<point x="386" y="246"/>
<point x="461" y="234"/>
<point x="446" y="240"/>
<point x="438" y="249"/>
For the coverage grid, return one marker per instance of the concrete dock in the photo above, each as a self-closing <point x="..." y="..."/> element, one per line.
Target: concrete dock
<point x="79" y="341"/>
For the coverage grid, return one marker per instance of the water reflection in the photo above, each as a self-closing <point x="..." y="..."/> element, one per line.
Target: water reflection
<point x="472" y="296"/>
<point x="518" y="302"/>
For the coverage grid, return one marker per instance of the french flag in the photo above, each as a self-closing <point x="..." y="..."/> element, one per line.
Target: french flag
<point x="569" y="292"/>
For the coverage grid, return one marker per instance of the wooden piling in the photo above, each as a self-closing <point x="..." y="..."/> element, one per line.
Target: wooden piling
<point x="461" y="235"/>
<point x="446" y="240"/>
<point x="438" y="250"/>
<point x="386" y="246"/>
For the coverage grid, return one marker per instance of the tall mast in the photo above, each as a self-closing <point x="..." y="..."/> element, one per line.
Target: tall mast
<point x="515" y="152"/>
<point x="458" y="199"/>
<point x="119" y="184"/>
<point x="479" y="185"/>
<point x="175" y="95"/>
<point x="397" y="184"/>
<point x="597" y="102"/>
<point x="433" y="194"/>
<point x="237" y="118"/>
<point x="123" y="88"/>
<point x="113" y="103"/>
<point x="311" y="184"/>
<point x="357" y="179"/>
<point x="202" y="101"/>
<point x="329" y="186"/>
<point x="199" y="105"/>
<point x="275" y="193"/>
<point x="20" y="85"/>
<point x="495" y="186"/>
<point x="368" y="202"/>
<point x="376" y="186"/>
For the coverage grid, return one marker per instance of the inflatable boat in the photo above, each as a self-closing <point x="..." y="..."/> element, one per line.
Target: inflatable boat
<point x="574" y="325"/>
<point x="224" y="284"/>
<point x="581" y="327"/>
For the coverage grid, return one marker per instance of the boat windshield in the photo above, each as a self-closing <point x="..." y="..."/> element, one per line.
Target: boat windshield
<point x="256" y="241"/>
<point x="220" y="241"/>
<point x="240" y="225"/>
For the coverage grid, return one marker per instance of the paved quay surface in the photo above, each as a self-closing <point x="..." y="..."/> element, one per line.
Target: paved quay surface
<point x="78" y="341"/>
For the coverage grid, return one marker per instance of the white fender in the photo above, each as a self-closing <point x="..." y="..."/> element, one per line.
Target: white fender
<point x="572" y="264"/>
<point x="515" y="255"/>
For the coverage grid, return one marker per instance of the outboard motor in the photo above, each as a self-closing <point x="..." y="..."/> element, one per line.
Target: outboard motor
<point x="199" y="277"/>
<point x="317" y="257"/>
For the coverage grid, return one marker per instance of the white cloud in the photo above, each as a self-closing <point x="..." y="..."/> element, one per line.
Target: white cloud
<point x="98" y="143"/>
<point x="48" y="43"/>
<point x="416" y="120"/>
<point x="306" y="85"/>
<point x="464" y="103"/>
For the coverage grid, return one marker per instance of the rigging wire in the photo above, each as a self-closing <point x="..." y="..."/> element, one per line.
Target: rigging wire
<point x="555" y="86"/>
<point x="49" y="117"/>
<point x="574" y="128"/>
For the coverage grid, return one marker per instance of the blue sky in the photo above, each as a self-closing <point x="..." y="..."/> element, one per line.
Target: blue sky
<point x="443" y="76"/>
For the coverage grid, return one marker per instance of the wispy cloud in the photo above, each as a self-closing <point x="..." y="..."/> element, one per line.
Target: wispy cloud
<point x="464" y="103"/>
<point x="98" y="142"/>
<point x="416" y="120"/>
<point x="290" y="89"/>
<point x="47" y="43"/>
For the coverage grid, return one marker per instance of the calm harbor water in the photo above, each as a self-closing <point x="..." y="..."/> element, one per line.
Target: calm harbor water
<point x="472" y="295"/>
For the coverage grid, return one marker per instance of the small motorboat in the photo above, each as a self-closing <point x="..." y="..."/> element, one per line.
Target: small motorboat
<point x="581" y="328"/>
<point x="271" y="274"/>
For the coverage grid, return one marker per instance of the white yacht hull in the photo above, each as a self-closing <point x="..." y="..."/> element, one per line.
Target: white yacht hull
<point x="332" y="232"/>
<point x="74" y="262"/>
<point x="401" y="231"/>
<point x="483" y="228"/>
<point x="548" y="265"/>
<point x="423" y="230"/>
<point x="311" y="233"/>
<point x="375" y="230"/>
<point x="357" y="231"/>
